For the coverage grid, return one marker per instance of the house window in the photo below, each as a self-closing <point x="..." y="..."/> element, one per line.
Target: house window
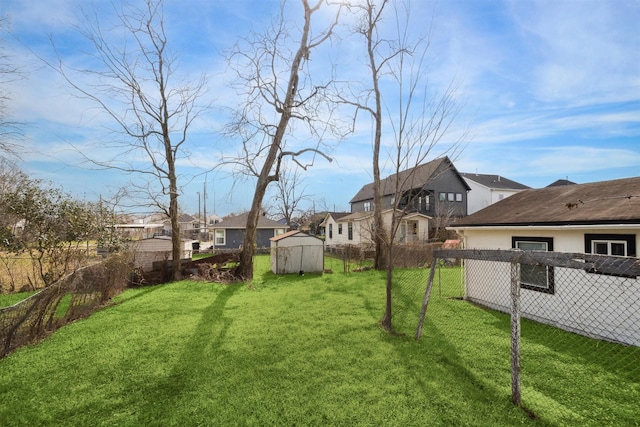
<point x="367" y="206"/>
<point x="427" y="206"/>
<point x="458" y="197"/>
<point x="442" y="197"/>
<point x="339" y="228"/>
<point x="331" y="231"/>
<point x="451" y="197"/>
<point x="610" y="244"/>
<point x="278" y="231"/>
<point x="535" y="277"/>
<point x="350" y="231"/>
<point x="220" y="237"/>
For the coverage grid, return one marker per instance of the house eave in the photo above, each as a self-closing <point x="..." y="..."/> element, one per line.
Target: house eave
<point x="550" y="226"/>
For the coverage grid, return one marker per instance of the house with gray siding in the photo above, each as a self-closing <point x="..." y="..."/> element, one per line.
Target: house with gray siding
<point x="434" y="189"/>
<point x="229" y="232"/>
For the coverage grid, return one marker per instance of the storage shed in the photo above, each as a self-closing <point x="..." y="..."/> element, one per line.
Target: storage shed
<point x="297" y="252"/>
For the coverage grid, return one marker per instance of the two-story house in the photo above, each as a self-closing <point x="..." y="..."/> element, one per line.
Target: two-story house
<point x="488" y="189"/>
<point x="435" y="190"/>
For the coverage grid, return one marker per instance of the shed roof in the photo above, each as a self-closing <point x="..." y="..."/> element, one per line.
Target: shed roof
<point x="605" y="202"/>
<point x="292" y="233"/>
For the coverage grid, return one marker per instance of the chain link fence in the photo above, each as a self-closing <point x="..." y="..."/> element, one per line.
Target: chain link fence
<point x="75" y="296"/>
<point x="552" y="328"/>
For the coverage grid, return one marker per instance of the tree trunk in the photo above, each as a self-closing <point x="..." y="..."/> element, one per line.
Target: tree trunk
<point x="378" y="232"/>
<point x="176" y="241"/>
<point x="245" y="269"/>
<point x="386" y="320"/>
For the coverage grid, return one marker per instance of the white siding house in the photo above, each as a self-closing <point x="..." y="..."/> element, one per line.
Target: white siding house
<point x="598" y="218"/>
<point x="357" y="228"/>
<point x="488" y="189"/>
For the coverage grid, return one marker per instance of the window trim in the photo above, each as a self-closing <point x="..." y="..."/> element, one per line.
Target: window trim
<point x="629" y="239"/>
<point x="350" y="230"/>
<point x="224" y="237"/>
<point x="551" y="287"/>
<point x="339" y="228"/>
<point x="330" y="231"/>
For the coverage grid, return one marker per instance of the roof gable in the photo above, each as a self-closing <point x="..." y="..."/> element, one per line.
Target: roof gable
<point x="604" y="202"/>
<point x="335" y="215"/>
<point x="416" y="177"/>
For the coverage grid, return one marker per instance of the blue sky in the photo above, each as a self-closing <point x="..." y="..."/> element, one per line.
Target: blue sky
<point x="548" y="90"/>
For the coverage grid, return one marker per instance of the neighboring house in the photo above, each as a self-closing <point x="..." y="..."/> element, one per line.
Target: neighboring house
<point x="229" y="232"/>
<point x="313" y="224"/>
<point x="139" y="230"/>
<point x="596" y="218"/>
<point x="433" y="189"/>
<point x="357" y="228"/>
<point x="156" y="250"/>
<point x="329" y="226"/>
<point x="189" y="226"/>
<point x="488" y="189"/>
<point x="296" y="252"/>
<point x="561" y="182"/>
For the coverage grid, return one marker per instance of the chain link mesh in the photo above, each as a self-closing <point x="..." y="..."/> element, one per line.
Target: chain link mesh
<point x="579" y="328"/>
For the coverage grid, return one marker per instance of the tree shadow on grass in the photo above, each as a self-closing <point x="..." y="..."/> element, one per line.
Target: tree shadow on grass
<point x="165" y="397"/>
<point x="452" y="377"/>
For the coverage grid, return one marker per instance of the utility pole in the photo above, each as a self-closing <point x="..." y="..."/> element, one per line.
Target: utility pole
<point x="204" y="199"/>
<point x="199" y="217"/>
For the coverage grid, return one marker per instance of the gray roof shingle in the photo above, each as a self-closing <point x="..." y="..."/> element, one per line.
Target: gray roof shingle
<point x="415" y="177"/>
<point x="494" y="181"/>
<point x="604" y="202"/>
<point x="240" y="221"/>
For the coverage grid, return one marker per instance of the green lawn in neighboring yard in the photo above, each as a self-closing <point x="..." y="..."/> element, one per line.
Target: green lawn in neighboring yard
<point x="301" y="350"/>
<point x="7" y="300"/>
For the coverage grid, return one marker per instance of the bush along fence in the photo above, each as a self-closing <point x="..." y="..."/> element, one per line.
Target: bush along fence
<point x="591" y="296"/>
<point x="75" y="296"/>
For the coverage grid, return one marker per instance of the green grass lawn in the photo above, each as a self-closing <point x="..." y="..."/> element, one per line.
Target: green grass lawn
<point x="303" y="350"/>
<point x="7" y="300"/>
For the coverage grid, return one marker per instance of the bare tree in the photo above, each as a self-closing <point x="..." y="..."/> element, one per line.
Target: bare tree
<point x="139" y="89"/>
<point x="10" y="130"/>
<point x="289" y="194"/>
<point x="276" y="88"/>
<point x="417" y="119"/>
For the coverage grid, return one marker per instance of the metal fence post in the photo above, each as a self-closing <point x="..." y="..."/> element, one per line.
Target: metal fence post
<point x="427" y="294"/>
<point x="515" y="332"/>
